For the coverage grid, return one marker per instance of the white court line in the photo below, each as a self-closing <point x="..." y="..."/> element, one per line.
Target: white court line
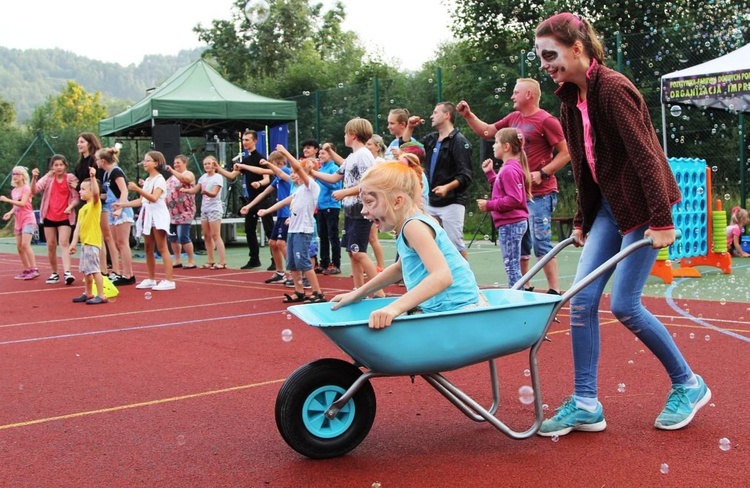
<point x="687" y="315"/>
<point x="140" y="327"/>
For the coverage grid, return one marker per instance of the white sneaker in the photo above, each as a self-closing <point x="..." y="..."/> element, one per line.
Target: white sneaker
<point x="164" y="285"/>
<point x="147" y="283"/>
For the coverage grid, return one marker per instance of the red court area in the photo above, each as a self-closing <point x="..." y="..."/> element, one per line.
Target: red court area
<point x="179" y="390"/>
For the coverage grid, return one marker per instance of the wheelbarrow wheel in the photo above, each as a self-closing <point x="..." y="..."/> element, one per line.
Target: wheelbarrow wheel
<point x="302" y="403"/>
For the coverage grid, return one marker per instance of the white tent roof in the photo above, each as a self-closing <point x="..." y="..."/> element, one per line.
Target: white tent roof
<point x="722" y="83"/>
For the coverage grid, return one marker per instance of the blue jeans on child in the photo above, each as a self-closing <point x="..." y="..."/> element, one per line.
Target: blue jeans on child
<point x="510" y="236"/>
<point x="630" y="275"/>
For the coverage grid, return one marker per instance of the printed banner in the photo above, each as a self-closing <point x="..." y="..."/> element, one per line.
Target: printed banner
<point x="733" y="84"/>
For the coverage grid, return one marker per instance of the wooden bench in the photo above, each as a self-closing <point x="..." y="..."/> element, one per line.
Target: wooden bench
<point x="564" y="227"/>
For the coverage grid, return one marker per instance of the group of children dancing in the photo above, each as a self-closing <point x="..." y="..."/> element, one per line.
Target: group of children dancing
<point x="309" y="195"/>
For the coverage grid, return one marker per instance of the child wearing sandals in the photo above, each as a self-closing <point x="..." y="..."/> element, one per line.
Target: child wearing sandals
<point x="89" y="231"/>
<point x="25" y="222"/>
<point x="209" y="185"/>
<point x="437" y="277"/>
<point x="301" y="227"/>
<point x="153" y="220"/>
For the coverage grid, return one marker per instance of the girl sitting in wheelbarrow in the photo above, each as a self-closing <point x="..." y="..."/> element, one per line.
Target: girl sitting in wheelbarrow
<point x="436" y="276"/>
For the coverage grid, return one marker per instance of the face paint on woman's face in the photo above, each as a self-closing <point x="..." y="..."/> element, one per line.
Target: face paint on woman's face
<point x="554" y="57"/>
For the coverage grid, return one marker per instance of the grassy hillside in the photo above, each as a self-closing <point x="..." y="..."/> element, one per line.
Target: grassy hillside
<point x="29" y="76"/>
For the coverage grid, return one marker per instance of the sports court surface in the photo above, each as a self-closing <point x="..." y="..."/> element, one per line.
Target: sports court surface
<point x="179" y="390"/>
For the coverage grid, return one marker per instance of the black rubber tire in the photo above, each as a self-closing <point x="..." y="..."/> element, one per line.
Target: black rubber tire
<point x="297" y="390"/>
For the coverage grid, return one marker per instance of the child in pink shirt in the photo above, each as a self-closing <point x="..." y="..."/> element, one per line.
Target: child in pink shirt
<point x="25" y="225"/>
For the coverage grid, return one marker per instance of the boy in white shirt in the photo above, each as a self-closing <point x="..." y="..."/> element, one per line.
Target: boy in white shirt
<point x="301" y="228"/>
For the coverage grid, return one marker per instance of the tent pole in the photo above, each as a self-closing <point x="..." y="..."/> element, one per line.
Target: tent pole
<point x="743" y="166"/>
<point x="663" y="119"/>
<point x="664" y="129"/>
<point x="296" y="136"/>
<point x="268" y="142"/>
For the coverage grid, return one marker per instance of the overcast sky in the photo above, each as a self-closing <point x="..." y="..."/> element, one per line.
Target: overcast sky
<point x="123" y="32"/>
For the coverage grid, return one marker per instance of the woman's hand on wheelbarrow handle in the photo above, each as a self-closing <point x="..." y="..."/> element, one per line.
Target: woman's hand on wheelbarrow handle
<point x="662" y="238"/>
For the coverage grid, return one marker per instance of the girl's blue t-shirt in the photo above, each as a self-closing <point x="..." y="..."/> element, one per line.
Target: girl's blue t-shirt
<point x="461" y="293"/>
<point x="283" y="190"/>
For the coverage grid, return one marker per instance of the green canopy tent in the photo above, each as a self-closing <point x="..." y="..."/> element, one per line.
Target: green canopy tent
<point x="199" y="100"/>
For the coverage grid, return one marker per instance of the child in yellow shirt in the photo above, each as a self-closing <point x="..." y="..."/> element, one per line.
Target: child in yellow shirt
<point x="88" y="230"/>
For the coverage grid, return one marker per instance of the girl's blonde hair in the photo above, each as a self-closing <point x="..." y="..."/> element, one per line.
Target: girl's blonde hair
<point x="24" y="176"/>
<point x="740" y="216"/>
<point x="393" y="177"/>
<point x="108" y="154"/>
<point x="379" y="143"/>
<point x="514" y="138"/>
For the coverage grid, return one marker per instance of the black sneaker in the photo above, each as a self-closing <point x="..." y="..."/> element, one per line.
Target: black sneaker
<point x="553" y="292"/>
<point x="69" y="278"/>
<point x="121" y="280"/>
<point x="319" y="270"/>
<point x="252" y="264"/>
<point x="289" y="283"/>
<point x="276" y="278"/>
<point x="272" y="266"/>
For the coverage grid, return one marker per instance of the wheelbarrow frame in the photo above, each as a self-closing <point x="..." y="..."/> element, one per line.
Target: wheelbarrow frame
<point x="466" y="404"/>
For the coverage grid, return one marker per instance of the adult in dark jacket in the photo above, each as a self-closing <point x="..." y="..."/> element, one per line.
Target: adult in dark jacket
<point x="625" y="193"/>
<point x="447" y="164"/>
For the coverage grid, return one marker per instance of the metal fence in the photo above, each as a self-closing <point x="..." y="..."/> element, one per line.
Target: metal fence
<point x="487" y="85"/>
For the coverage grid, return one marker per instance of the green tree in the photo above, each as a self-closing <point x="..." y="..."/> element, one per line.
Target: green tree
<point x="298" y="48"/>
<point x="72" y="108"/>
<point x="7" y="114"/>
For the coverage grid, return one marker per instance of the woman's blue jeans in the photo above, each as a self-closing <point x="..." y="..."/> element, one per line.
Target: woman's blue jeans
<point x="630" y="275"/>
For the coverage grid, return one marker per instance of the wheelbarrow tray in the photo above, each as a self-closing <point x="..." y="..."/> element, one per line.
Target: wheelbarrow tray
<point x="434" y="342"/>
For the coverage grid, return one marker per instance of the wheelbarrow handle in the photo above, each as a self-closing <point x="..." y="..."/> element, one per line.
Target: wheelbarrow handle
<point x="608" y="265"/>
<point x="543" y="262"/>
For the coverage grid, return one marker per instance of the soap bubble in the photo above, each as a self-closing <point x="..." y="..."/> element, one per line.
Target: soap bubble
<point x="486" y="237"/>
<point x="257" y="11"/>
<point x="555" y="438"/>
<point x="181" y="440"/>
<point x="631" y="362"/>
<point x="621" y="387"/>
<point x="147" y="295"/>
<point x="692" y="336"/>
<point x="664" y="468"/>
<point x="676" y="110"/>
<point x="725" y="444"/>
<point x="354" y="248"/>
<point x="526" y="395"/>
<point x="723" y="301"/>
<point x="531" y="55"/>
<point x="286" y="335"/>
<point x="708" y="337"/>
<point x="526" y="373"/>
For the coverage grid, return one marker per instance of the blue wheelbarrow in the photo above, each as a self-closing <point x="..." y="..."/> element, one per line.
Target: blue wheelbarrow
<point x="327" y="407"/>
